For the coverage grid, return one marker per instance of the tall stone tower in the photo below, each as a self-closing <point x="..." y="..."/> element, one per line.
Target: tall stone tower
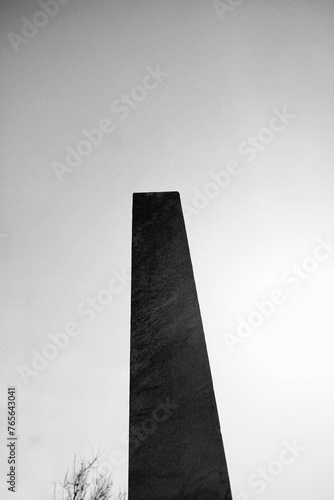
<point x="175" y="447"/>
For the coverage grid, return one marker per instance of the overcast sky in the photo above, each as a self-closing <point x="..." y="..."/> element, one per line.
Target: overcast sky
<point x="232" y="106"/>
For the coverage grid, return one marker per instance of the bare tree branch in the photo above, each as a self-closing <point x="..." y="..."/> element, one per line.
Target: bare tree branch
<point x="85" y="482"/>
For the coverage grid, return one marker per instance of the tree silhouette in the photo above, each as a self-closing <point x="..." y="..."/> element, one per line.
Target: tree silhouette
<point x="87" y="482"/>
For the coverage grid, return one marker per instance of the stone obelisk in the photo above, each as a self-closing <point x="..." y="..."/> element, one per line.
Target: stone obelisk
<point x="175" y="448"/>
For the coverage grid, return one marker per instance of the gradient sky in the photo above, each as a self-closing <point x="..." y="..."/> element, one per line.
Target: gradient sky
<point x="60" y="241"/>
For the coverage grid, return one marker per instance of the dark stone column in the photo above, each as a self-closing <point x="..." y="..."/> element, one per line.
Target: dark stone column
<point x="175" y="448"/>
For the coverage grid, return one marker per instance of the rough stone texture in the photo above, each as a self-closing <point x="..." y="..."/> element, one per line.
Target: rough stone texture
<point x="175" y="448"/>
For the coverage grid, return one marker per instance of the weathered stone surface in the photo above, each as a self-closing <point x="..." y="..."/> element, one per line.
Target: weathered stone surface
<point x="175" y="449"/>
